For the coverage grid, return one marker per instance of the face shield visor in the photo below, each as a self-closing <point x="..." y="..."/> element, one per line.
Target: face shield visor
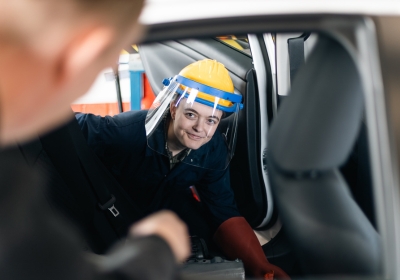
<point x="200" y="120"/>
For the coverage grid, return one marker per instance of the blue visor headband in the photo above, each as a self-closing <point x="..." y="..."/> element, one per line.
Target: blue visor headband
<point x="234" y="98"/>
<point x="211" y="104"/>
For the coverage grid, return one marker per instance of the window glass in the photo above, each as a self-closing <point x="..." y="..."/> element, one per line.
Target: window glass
<point x="131" y="82"/>
<point x="240" y="43"/>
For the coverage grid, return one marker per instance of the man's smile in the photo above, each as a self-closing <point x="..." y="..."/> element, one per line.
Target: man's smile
<point x="193" y="136"/>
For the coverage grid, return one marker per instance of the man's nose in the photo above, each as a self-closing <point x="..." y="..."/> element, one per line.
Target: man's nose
<point x="198" y="126"/>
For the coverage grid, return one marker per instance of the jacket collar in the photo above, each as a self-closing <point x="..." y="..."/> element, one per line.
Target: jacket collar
<point x="206" y="156"/>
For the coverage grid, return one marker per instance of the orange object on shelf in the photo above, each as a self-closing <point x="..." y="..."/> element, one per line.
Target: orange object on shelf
<point x="102" y="109"/>
<point x="148" y="94"/>
<point x="111" y="108"/>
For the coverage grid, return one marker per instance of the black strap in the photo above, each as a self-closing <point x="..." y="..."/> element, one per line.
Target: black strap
<point x="102" y="181"/>
<point x="105" y="210"/>
<point x="296" y="54"/>
<point x="61" y="152"/>
<point x="90" y="183"/>
<point x="105" y="198"/>
<point x="60" y="149"/>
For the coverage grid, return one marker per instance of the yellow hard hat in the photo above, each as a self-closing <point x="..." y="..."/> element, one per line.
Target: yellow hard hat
<point x="212" y="81"/>
<point x="210" y="73"/>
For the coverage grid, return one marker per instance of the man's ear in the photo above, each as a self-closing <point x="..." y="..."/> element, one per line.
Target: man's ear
<point x="85" y="49"/>
<point x="172" y="109"/>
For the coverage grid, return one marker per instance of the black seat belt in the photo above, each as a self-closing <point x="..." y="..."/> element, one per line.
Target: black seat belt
<point x="64" y="159"/>
<point x="105" y="198"/>
<point x="296" y="54"/>
<point x="75" y="160"/>
<point x="61" y="151"/>
<point x="103" y="181"/>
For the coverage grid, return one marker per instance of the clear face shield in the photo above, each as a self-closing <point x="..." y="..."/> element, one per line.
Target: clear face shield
<point x="195" y="119"/>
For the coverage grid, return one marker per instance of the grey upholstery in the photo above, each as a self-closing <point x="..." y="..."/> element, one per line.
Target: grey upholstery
<point x="311" y="137"/>
<point x="324" y="113"/>
<point x="169" y="62"/>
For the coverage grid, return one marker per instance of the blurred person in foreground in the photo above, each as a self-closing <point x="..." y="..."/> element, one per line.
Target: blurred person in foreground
<point x="50" y="53"/>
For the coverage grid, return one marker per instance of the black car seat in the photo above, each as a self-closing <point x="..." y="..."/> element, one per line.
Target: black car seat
<point x="80" y="187"/>
<point x="311" y="137"/>
<point x="357" y="173"/>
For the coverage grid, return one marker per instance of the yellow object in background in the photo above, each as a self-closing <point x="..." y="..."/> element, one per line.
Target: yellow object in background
<point x="233" y="43"/>
<point x="133" y="49"/>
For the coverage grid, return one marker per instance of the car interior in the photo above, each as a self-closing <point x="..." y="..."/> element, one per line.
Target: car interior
<point x="301" y="159"/>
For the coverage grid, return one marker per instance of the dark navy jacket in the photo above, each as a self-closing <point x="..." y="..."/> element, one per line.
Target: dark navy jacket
<point x="121" y="144"/>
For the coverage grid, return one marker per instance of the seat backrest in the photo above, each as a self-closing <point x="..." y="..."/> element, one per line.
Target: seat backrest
<point x="60" y="197"/>
<point x="357" y="173"/>
<point x="72" y="190"/>
<point x="309" y="140"/>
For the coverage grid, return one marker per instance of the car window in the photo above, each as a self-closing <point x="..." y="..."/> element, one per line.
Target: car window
<point x="115" y="91"/>
<point x="240" y="43"/>
<point x="130" y="84"/>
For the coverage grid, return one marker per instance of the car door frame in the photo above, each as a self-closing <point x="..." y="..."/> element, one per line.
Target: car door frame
<point x="359" y="34"/>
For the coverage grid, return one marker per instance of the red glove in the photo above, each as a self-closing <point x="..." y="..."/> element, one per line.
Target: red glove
<point x="237" y="240"/>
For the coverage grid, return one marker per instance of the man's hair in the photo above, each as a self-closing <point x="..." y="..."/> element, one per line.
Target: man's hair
<point x="120" y="12"/>
<point x="34" y="15"/>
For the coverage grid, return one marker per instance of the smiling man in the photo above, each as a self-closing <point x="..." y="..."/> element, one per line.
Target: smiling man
<point x="193" y="126"/>
<point x="176" y="156"/>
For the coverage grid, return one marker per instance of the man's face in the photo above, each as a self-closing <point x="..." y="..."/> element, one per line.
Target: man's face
<point x="194" y="124"/>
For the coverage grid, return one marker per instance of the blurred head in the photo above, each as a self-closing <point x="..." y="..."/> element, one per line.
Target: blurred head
<point x="50" y="54"/>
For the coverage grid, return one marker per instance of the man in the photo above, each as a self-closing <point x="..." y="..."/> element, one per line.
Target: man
<point x="50" y="53"/>
<point x="181" y="148"/>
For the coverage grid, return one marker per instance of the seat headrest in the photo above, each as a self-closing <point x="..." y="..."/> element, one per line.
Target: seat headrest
<point x="317" y="125"/>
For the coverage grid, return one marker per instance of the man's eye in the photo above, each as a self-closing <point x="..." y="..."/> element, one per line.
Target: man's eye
<point x="190" y="115"/>
<point x="212" y="122"/>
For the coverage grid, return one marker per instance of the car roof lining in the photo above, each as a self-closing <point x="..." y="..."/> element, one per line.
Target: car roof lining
<point x="171" y="56"/>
